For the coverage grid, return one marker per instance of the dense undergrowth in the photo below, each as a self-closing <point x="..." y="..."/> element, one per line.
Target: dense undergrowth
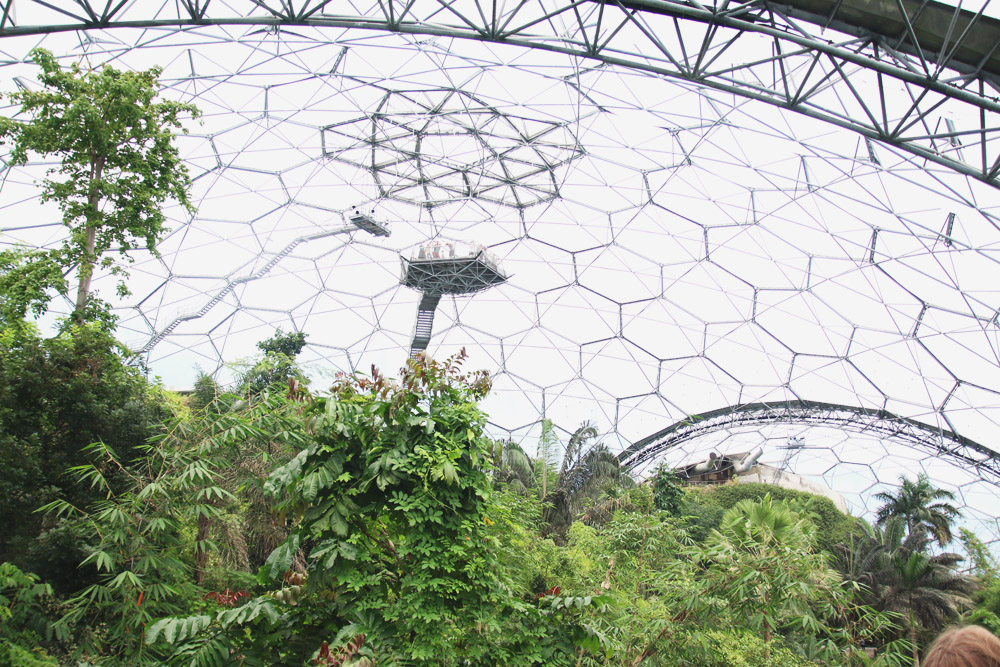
<point x="377" y="524"/>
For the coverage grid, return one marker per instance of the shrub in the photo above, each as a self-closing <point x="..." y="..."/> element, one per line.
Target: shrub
<point x="832" y="526"/>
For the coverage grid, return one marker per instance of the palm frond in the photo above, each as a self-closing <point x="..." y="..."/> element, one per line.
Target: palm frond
<point x="587" y="469"/>
<point x="517" y="461"/>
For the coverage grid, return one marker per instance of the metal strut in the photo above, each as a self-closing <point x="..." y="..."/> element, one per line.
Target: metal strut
<point x="915" y="434"/>
<point x="946" y="57"/>
<point x="425" y="323"/>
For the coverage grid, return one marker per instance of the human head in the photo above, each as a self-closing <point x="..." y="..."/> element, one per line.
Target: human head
<point x="969" y="646"/>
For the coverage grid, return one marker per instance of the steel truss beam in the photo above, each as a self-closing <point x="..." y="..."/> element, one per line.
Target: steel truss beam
<point x="939" y="442"/>
<point x="919" y="76"/>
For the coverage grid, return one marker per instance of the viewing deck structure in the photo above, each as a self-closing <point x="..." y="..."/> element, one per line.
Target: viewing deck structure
<point x="446" y="267"/>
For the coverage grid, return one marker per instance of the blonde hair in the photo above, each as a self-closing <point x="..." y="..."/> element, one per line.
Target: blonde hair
<point x="969" y="646"/>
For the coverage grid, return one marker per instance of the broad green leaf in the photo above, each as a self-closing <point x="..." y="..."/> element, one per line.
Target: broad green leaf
<point x="280" y="560"/>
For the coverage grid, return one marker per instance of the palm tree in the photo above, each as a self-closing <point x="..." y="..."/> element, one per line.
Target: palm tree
<point x="923" y="507"/>
<point x="586" y="469"/>
<point x="546" y="458"/>
<point x="897" y="574"/>
<point x="926" y="590"/>
<point x="764" y="564"/>
<point x="513" y="467"/>
<point x="868" y="554"/>
<point x="765" y="522"/>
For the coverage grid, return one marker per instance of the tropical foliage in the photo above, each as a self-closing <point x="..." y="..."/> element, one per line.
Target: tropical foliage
<point x="921" y="506"/>
<point x="399" y="534"/>
<point x="375" y="524"/>
<point x="57" y="396"/>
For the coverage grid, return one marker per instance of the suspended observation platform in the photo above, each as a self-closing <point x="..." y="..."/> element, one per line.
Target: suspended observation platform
<point x="448" y="267"/>
<point x="451" y="268"/>
<point x="367" y="223"/>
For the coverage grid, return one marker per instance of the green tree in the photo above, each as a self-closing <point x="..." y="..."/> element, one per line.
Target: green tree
<point x="512" y="467"/>
<point x="926" y="590"/>
<point x="24" y="624"/>
<point x="392" y="497"/>
<point x="246" y="531"/>
<point x="586" y="469"/>
<point x="395" y="552"/>
<point x="982" y="562"/>
<point x="922" y="506"/>
<point x="586" y="473"/>
<point x="278" y="364"/>
<point x="668" y="492"/>
<point x="763" y="563"/>
<point x="117" y="161"/>
<point x="57" y="396"/>
<point x="758" y="576"/>
<point x="763" y="573"/>
<point x="867" y="554"/>
<point x="983" y="565"/>
<point x="896" y="574"/>
<point x="290" y="344"/>
<point x="143" y="523"/>
<point x="394" y="535"/>
<point x="27" y="278"/>
<point x="205" y="393"/>
<point x="546" y="457"/>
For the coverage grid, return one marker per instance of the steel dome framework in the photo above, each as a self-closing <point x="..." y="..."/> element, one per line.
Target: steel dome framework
<point x="724" y="225"/>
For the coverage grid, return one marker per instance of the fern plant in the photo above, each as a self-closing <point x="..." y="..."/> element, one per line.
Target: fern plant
<point x="144" y="551"/>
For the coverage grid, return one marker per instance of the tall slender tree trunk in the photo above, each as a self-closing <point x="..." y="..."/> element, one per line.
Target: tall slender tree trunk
<point x="86" y="274"/>
<point x="913" y="635"/>
<point x="93" y="217"/>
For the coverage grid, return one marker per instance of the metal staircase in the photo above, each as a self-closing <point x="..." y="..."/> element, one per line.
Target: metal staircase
<point x="233" y="284"/>
<point x="425" y="323"/>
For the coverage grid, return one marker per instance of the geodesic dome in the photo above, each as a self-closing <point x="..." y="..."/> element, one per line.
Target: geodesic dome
<point x="721" y="227"/>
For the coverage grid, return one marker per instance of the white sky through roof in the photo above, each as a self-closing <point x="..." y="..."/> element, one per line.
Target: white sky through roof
<point x="671" y="250"/>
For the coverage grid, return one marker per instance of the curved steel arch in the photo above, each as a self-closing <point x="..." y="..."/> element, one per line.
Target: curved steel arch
<point x="940" y="442"/>
<point x="922" y="77"/>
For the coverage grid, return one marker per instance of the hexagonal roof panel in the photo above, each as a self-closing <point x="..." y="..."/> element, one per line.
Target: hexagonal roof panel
<point x="670" y="249"/>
